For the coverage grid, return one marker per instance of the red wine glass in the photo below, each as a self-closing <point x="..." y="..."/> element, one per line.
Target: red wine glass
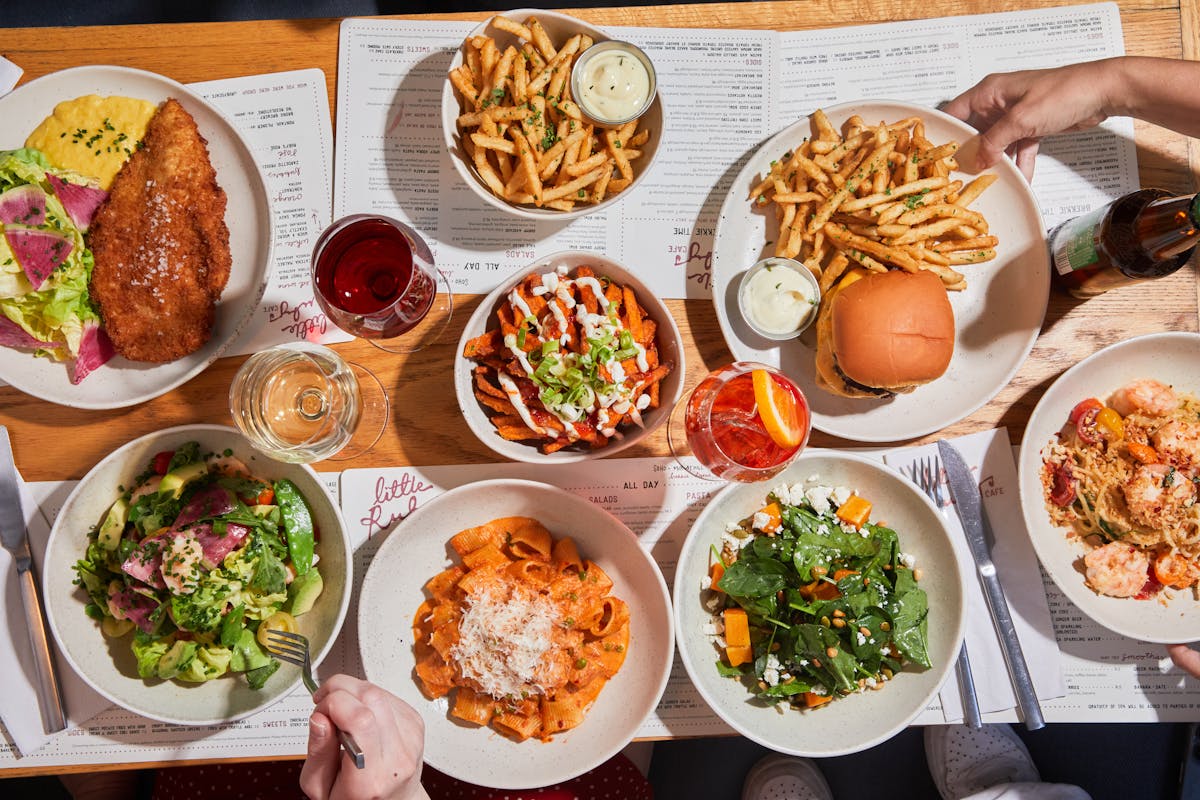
<point x="374" y="277"/>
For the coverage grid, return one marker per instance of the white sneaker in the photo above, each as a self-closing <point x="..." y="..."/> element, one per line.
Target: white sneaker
<point x="964" y="761"/>
<point x="785" y="778"/>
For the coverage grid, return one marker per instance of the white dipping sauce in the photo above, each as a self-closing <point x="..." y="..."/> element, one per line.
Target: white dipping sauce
<point x="778" y="299"/>
<point x="614" y="86"/>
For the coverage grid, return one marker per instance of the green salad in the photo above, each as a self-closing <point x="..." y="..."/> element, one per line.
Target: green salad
<point x="200" y="559"/>
<point x="812" y="601"/>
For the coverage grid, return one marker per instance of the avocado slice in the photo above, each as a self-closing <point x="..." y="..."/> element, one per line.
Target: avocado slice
<point x="173" y="482"/>
<point x="262" y="510"/>
<point x="305" y="590"/>
<point x="109" y="535"/>
<point x="247" y="654"/>
<point x="176" y="660"/>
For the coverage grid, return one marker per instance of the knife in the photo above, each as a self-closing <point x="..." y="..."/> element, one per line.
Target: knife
<point x="965" y="491"/>
<point x="15" y="539"/>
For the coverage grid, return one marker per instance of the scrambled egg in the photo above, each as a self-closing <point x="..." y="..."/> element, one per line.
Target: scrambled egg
<point x="93" y="135"/>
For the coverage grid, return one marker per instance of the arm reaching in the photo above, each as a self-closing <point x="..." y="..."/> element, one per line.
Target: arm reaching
<point x="390" y="733"/>
<point x="1014" y="110"/>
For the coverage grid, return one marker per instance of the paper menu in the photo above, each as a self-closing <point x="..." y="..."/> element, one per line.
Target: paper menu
<point x="284" y="118"/>
<point x="724" y="92"/>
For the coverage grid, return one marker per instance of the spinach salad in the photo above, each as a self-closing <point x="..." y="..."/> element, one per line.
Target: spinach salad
<point x="812" y="601"/>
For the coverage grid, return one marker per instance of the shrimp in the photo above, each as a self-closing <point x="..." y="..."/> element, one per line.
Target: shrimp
<point x="181" y="564"/>
<point x="1180" y="440"/>
<point x="1148" y="396"/>
<point x="228" y="465"/>
<point x="1158" y="493"/>
<point x="1117" y="570"/>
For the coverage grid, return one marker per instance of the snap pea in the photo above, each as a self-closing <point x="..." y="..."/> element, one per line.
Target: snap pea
<point x="297" y="524"/>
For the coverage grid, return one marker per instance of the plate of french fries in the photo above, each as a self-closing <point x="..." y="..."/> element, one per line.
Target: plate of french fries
<point x="877" y="185"/>
<point x="572" y="358"/>
<point x="514" y="132"/>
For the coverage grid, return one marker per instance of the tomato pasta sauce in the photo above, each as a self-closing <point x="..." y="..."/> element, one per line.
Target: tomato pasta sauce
<point x="524" y="632"/>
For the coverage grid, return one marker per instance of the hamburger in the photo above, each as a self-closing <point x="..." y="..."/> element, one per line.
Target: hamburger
<point x="882" y="334"/>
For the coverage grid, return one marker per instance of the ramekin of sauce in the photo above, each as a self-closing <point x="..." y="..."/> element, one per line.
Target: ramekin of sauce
<point x="778" y="298"/>
<point x="613" y="82"/>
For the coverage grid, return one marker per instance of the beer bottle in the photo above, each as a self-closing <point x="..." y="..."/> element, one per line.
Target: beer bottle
<point x="1146" y="234"/>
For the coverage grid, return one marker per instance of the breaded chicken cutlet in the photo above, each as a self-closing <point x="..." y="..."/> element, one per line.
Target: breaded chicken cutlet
<point x="161" y="245"/>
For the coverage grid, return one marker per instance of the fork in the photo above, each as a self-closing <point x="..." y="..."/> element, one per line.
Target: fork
<point x="293" y="648"/>
<point x="927" y="474"/>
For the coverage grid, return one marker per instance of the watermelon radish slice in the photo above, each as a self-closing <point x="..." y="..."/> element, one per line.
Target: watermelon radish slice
<point x="38" y="252"/>
<point x="13" y="335"/>
<point x="94" y="349"/>
<point x="23" y="205"/>
<point x="80" y="202"/>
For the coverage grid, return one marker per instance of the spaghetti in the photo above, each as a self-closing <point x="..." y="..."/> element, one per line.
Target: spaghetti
<point x="1123" y="478"/>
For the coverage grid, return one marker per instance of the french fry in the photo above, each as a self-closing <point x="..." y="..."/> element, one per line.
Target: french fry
<point x="505" y="24"/>
<point x="975" y="188"/>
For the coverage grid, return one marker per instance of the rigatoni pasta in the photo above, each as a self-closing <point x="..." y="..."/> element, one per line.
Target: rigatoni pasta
<point x="524" y="632"/>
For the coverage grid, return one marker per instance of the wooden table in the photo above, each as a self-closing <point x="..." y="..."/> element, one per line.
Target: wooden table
<point x="426" y="427"/>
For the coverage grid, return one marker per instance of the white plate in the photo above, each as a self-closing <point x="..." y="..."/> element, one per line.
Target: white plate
<point x="853" y="723"/>
<point x="670" y="349"/>
<point x="998" y="316"/>
<point x="108" y="665"/>
<point x="418" y="549"/>
<point x="1174" y="359"/>
<point x="120" y="382"/>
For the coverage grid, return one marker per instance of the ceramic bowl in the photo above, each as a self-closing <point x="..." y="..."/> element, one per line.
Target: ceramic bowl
<point x="559" y="27"/>
<point x="670" y="350"/>
<point x="108" y="665"/>
<point x="1172" y="358"/>
<point x="858" y="721"/>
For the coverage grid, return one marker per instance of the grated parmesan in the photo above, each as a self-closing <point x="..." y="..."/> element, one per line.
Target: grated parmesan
<point x="502" y="641"/>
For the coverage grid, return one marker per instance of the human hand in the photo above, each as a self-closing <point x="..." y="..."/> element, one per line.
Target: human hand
<point x="1185" y="658"/>
<point x="1014" y="110"/>
<point x="390" y="733"/>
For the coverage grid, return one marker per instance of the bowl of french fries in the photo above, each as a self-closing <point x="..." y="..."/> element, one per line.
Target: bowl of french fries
<point x="516" y="135"/>
<point x="572" y="358"/>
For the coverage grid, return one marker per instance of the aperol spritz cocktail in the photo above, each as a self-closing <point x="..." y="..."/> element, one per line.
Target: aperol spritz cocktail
<point x="744" y="422"/>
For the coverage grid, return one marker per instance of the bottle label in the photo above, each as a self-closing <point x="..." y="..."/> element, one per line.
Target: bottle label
<point x="1073" y="243"/>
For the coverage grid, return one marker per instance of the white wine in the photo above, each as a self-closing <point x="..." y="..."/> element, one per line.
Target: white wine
<point x="296" y="402"/>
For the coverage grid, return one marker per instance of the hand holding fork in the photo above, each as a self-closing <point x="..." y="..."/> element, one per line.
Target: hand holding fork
<point x="359" y="712"/>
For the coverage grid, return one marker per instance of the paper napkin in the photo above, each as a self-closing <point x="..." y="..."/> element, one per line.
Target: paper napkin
<point x="18" y="702"/>
<point x="990" y="457"/>
<point x="10" y="73"/>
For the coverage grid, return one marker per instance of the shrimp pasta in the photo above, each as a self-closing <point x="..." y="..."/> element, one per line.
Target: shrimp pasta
<point x="1123" y="477"/>
<point x="524" y="631"/>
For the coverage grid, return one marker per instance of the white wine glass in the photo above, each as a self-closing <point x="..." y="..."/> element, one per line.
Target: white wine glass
<point x="302" y="402"/>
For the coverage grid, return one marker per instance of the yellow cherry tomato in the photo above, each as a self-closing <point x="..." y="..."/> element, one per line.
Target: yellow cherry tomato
<point x="1111" y="426"/>
<point x="279" y="621"/>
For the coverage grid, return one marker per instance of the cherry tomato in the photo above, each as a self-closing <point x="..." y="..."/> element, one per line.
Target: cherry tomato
<point x="1086" y="427"/>
<point x="1063" y="492"/>
<point x="162" y="461"/>
<point x="1111" y="425"/>
<point x="1083" y="407"/>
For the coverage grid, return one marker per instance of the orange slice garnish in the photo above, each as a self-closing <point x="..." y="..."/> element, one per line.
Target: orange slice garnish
<point x="778" y="410"/>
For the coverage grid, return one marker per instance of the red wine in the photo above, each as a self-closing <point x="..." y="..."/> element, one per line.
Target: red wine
<point x="364" y="267"/>
<point x="364" y="274"/>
